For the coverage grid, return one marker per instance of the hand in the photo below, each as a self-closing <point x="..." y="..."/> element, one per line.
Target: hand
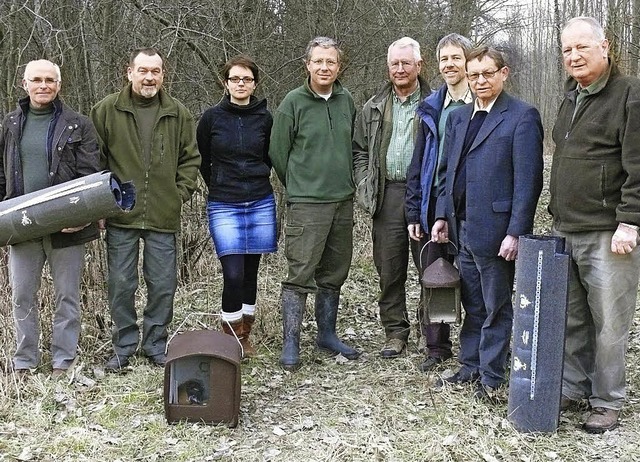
<point x="74" y="230"/>
<point x="509" y="248"/>
<point x="624" y="240"/>
<point x="440" y="232"/>
<point x="415" y="231"/>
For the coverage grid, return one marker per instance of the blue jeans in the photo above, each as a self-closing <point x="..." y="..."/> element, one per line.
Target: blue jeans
<point x="160" y="276"/>
<point x="602" y="301"/>
<point x="486" y="287"/>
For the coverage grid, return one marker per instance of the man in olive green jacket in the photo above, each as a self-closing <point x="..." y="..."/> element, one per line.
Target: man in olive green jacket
<point x="148" y="137"/>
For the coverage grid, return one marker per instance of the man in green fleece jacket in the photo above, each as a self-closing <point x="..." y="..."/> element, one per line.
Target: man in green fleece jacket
<point x="148" y="137"/>
<point x="310" y="150"/>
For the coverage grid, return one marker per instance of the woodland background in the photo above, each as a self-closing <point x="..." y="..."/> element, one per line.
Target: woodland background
<point x="330" y="410"/>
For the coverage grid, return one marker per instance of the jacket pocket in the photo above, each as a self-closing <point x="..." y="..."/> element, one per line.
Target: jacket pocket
<point x="501" y="206"/>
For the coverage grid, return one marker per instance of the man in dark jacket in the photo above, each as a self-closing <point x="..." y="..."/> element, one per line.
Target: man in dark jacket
<point x="422" y="180"/>
<point x="595" y="203"/>
<point x="148" y="137"/>
<point x="493" y="164"/>
<point x="45" y="143"/>
<point x="382" y="149"/>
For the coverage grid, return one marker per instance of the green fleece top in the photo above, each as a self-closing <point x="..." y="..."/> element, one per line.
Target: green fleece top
<point x="310" y="146"/>
<point x="165" y="180"/>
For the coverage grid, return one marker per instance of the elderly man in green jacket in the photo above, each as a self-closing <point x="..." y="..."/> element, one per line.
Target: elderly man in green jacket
<point x="311" y="153"/>
<point x="148" y="137"/>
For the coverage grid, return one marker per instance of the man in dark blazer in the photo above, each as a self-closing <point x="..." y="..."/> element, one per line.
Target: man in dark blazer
<point x="493" y="164"/>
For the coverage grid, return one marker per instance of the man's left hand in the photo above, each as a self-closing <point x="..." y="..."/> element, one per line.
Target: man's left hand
<point x="509" y="248"/>
<point x="624" y="240"/>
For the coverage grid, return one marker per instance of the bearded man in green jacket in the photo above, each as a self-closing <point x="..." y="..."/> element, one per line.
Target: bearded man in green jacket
<point x="148" y="137"/>
<point x="310" y="150"/>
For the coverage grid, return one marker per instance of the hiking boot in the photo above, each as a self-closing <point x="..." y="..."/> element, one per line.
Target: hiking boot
<point x="116" y="363"/>
<point x="393" y="348"/>
<point x="485" y="393"/>
<point x="431" y="363"/>
<point x="601" y="420"/>
<point x="459" y="378"/>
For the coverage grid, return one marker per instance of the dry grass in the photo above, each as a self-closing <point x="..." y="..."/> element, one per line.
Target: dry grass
<point x="365" y="410"/>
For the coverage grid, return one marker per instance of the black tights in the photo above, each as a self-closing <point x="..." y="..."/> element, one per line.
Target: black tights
<point x="240" y="274"/>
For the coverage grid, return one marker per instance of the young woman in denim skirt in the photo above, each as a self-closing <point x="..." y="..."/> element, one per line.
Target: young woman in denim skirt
<point x="233" y="138"/>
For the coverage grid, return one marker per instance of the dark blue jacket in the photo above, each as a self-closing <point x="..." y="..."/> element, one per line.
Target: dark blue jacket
<point x="503" y="173"/>
<point x="423" y="165"/>
<point x="234" y="143"/>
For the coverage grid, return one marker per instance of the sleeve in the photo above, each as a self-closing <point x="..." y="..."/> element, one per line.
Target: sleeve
<point x="87" y="155"/>
<point x="203" y="137"/>
<point x="360" y="147"/>
<point x="98" y="118"/>
<point x="188" y="156"/>
<point x="527" y="172"/>
<point x="281" y="141"/>
<point x="628" y="210"/>
<point x="413" y="197"/>
<point x="267" y="138"/>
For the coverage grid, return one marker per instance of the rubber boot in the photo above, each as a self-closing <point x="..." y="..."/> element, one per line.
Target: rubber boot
<point x="234" y="327"/>
<point x="247" y="346"/>
<point x="326" y="316"/>
<point x="293" y="304"/>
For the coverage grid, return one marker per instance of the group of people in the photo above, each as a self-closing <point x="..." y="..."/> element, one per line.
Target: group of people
<point x="458" y="168"/>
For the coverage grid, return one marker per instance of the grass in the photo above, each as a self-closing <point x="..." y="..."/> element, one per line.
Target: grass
<point x="330" y="410"/>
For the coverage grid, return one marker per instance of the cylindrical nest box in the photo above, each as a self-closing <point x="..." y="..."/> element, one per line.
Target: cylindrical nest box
<point x="539" y="324"/>
<point x="66" y="205"/>
<point x="202" y="378"/>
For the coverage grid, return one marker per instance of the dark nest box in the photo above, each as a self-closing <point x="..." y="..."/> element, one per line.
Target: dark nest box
<point x="441" y="292"/>
<point x="202" y="378"/>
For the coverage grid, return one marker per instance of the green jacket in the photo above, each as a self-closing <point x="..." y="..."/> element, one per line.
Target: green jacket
<point x="165" y="181"/>
<point x="369" y="155"/>
<point x="310" y="146"/>
<point x="595" y="174"/>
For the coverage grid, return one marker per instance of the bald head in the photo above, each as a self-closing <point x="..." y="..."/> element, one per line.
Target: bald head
<point x="41" y="81"/>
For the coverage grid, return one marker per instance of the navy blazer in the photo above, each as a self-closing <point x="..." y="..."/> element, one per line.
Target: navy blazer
<point x="504" y="173"/>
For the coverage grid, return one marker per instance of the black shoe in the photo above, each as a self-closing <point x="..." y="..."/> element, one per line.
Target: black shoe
<point x="431" y="363"/>
<point x="117" y="363"/>
<point x="158" y="360"/>
<point x="485" y="393"/>
<point x="459" y="378"/>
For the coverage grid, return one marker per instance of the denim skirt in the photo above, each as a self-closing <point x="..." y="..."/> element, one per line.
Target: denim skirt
<point x="243" y="227"/>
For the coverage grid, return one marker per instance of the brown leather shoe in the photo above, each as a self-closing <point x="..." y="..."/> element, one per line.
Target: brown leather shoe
<point x="248" y="349"/>
<point x="393" y="348"/>
<point x="601" y="420"/>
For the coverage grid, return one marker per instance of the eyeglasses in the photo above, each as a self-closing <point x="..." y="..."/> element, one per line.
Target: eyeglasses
<point x="244" y="80"/>
<point x="472" y="77"/>
<point x="327" y="62"/>
<point x="46" y="81"/>
<point x="403" y="64"/>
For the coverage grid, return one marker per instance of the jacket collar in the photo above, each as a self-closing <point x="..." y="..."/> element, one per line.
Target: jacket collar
<point x="337" y="89"/>
<point x="124" y="101"/>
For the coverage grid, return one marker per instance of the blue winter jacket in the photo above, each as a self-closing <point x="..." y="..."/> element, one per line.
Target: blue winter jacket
<point x="424" y="162"/>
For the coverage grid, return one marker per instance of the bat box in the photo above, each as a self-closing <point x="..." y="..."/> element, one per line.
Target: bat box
<point x="440" y="283"/>
<point x="202" y="378"/>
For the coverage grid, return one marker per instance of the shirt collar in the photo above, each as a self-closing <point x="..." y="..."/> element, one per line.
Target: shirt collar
<point x="487" y="109"/>
<point x="466" y="98"/>
<point x="411" y="99"/>
<point x="598" y="85"/>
